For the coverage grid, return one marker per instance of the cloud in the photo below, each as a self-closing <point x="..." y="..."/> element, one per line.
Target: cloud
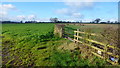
<point x="79" y="3"/>
<point x="2" y="13"/>
<point x="74" y="8"/>
<point x="113" y="19"/>
<point x="44" y="19"/>
<point x="88" y="20"/>
<point x="5" y="8"/>
<point x="32" y="17"/>
<point x="20" y="17"/>
<point x="77" y="15"/>
<point x="70" y="13"/>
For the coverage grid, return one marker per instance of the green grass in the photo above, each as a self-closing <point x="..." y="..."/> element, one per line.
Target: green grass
<point x="26" y="29"/>
<point x="35" y="45"/>
<point x="67" y="58"/>
<point x="22" y="42"/>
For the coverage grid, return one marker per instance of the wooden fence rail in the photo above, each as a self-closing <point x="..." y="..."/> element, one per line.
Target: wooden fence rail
<point x="99" y="49"/>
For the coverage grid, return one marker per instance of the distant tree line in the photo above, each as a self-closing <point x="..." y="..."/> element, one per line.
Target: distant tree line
<point x="10" y="22"/>
<point x="55" y="20"/>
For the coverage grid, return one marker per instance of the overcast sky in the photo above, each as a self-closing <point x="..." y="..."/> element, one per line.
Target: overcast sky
<point x="68" y="11"/>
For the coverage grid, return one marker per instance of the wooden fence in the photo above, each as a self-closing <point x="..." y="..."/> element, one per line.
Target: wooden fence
<point x="102" y="50"/>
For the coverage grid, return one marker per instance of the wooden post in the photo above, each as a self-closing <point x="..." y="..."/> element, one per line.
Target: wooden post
<point x="105" y="53"/>
<point x="93" y="50"/>
<point x="74" y="36"/>
<point x="59" y="30"/>
<point x="89" y="48"/>
<point x="77" y="35"/>
<point x="84" y="38"/>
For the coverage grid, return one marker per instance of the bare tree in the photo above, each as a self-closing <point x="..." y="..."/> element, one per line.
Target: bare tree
<point x="108" y="21"/>
<point x="97" y="20"/>
<point x="54" y="19"/>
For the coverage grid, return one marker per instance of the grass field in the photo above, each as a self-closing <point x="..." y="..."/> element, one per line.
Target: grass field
<point x="95" y="28"/>
<point x="107" y="34"/>
<point x="107" y="31"/>
<point x="23" y="43"/>
<point x="35" y="45"/>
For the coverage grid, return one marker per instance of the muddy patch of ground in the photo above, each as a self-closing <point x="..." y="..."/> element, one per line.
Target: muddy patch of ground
<point x="41" y="48"/>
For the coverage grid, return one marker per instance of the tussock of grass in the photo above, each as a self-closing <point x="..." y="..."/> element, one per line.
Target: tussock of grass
<point x="73" y="59"/>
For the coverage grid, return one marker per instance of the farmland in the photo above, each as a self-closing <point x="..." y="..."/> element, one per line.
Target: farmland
<point x="105" y="36"/>
<point x="93" y="28"/>
<point x="23" y="43"/>
<point x="36" y="45"/>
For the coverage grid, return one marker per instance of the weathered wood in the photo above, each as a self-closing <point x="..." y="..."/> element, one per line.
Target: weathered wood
<point x="95" y="35"/>
<point x="104" y="50"/>
<point x="113" y="63"/>
<point x="90" y="40"/>
<point x="59" y="30"/>
<point x="87" y="33"/>
<point x="77" y="34"/>
<point x="97" y="42"/>
<point x="97" y="55"/>
<point x="109" y="53"/>
<point x="90" y="46"/>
